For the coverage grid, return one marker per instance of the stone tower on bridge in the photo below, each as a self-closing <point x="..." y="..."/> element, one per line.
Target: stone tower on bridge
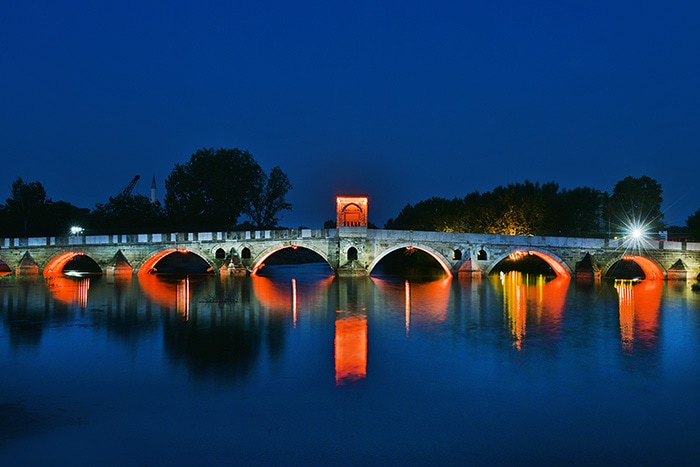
<point x="351" y="211"/>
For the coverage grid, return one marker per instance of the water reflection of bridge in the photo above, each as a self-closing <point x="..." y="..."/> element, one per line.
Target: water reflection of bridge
<point x="222" y="310"/>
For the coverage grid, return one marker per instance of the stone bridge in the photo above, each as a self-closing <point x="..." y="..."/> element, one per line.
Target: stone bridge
<point x="349" y="251"/>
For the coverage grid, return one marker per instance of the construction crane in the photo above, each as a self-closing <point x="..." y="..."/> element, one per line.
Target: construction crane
<point x="129" y="188"/>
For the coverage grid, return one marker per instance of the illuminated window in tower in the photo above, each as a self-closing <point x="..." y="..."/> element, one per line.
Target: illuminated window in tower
<point x="351" y="211"/>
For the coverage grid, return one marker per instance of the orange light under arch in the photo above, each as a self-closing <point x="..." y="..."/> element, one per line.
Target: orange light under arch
<point x="440" y="260"/>
<point x="150" y="263"/>
<point x="652" y="271"/>
<point x="56" y="265"/>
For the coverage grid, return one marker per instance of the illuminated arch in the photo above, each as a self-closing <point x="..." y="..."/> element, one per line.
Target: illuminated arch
<point x="5" y="269"/>
<point x="55" y="266"/>
<point x="652" y="270"/>
<point x="260" y="260"/>
<point x="558" y="265"/>
<point x="148" y="265"/>
<point x="442" y="261"/>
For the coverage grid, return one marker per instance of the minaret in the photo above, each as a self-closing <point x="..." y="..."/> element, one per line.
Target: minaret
<point x="153" y="190"/>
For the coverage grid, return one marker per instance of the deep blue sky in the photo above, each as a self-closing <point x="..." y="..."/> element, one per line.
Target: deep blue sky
<point x="398" y="100"/>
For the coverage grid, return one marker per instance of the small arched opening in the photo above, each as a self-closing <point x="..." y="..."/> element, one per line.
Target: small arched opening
<point x="482" y="255"/>
<point x="352" y="253"/>
<point x="220" y="253"/>
<point x="245" y="253"/>
<point x="457" y="255"/>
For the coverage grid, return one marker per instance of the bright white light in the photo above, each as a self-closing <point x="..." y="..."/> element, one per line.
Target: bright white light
<point x="75" y="230"/>
<point x="636" y="233"/>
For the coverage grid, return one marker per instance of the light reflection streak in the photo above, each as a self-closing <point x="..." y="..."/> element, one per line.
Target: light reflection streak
<point x="421" y="302"/>
<point x="166" y="292"/>
<point x="639" y="303"/>
<point x="407" y="311"/>
<point x="67" y="290"/>
<point x="294" y="301"/>
<point x="544" y="300"/>
<point x="281" y="297"/>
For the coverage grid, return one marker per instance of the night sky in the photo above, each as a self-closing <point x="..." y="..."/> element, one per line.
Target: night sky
<point x="401" y="101"/>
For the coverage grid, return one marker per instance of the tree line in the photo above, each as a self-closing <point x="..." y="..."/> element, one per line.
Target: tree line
<point x="546" y="209"/>
<point x="214" y="190"/>
<point x="217" y="189"/>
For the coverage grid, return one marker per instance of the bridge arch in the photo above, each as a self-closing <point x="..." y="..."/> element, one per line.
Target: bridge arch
<point x="147" y="266"/>
<point x="259" y="261"/>
<point x="442" y="261"/>
<point x="56" y="264"/>
<point x="558" y="265"/>
<point x="652" y="269"/>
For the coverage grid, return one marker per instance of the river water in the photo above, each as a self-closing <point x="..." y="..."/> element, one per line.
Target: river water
<point x="304" y="368"/>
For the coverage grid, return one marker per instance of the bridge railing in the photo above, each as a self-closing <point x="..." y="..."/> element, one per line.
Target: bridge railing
<point x="518" y="240"/>
<point x="174" y="237"/>
<point x="291" y="234"/>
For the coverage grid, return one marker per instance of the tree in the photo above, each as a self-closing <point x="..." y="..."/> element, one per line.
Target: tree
<point x="212" y="189"/>
<point x="580" y="212"/>
<point x="127" y="213"/>
<point x="215" y="187"/>
<point x="637" y="201"/>
<point x="25" y="209"/>
<point x="28" y="212"/>
<point x="433" y="214"/>
<point x="693" y="224"/>
<point x="269" y="198"/>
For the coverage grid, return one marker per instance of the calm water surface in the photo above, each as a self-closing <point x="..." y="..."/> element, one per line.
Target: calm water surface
<point x="304" y="368"/>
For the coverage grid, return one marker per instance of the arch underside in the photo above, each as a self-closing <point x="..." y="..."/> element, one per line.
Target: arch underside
<point x="56" y="265"/>
<point x="150" y="263"/>
<point x="652" y="271"/>
<point x="558" y="265"/>
<point x="441" y="260"/>
<point x="260" y="260"/>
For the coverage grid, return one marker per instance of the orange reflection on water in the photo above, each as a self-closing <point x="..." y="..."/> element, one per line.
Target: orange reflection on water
<point x="68" y="290"/>
<point x="167" y="292"/>
<point x="350" y="347"/>
<point x="639" y="312"/>
<point x="543" y="299"/>
<point x="285" y="296"/>
<point x="424" y="302"/>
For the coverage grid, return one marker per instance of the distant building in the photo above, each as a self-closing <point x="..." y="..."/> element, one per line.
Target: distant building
<point x="351" y="211"/>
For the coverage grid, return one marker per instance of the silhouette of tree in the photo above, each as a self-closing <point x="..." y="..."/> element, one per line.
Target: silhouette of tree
<point x="693" y="224"/>
<point x="127" y="213"/>
<point x="215" y="187"/>
<point x="269" y="200"/>
<point x="637" y="201"/>
<point x="28" y="212"/>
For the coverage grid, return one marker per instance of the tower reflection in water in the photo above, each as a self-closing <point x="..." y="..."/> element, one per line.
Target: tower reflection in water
<point x="350" y="343"/>
<point x="534" y="297"/>
<point x="639" y="312"/>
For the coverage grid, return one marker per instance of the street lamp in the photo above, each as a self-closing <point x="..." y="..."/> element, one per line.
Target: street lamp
<point x="75" y="230"/>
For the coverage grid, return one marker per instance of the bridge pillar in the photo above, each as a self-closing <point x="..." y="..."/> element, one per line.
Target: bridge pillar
<point x="352" y="252"/>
